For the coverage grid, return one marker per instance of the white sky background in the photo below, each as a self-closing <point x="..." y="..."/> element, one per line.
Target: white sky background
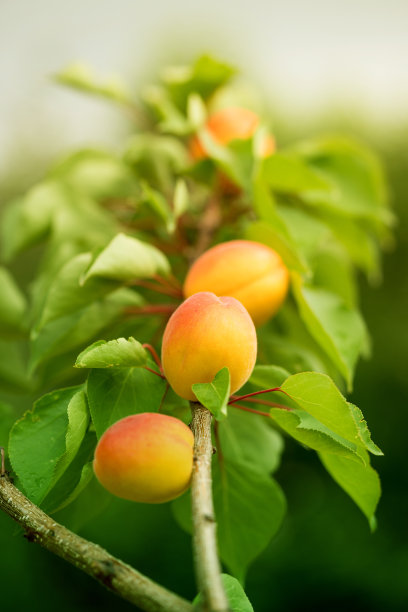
<point x="305" y="54"/>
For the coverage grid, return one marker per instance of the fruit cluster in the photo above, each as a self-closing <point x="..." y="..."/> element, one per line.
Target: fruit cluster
<point x="229" y="289"/>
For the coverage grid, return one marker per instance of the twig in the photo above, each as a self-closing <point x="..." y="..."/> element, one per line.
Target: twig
<point x="264" y="414"/>
<point x="207" y="565"/>
<point x="151" y="309"/>
<point x="90" y="558"/>
<point x="209" y="223"/>
<point x="262" y="402"/>
<point x="154" y="354"/>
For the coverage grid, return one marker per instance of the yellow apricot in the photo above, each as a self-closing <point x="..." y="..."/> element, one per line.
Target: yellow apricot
<point x="145" y="458"/>
<point x="205" y="334"/>
<point x="249" y="271"/>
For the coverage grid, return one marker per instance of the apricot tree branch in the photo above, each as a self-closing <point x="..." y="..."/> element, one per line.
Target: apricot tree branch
<point x="90" y="558"/>
<point x="207" y="565"/>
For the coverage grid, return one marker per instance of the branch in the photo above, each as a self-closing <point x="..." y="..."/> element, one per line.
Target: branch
<point x="90" y="558"/>
<point x="207" y="565"/>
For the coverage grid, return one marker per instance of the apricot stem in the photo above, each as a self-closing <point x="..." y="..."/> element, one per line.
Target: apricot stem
<point x="241" y="398"/>
<point x="265" y="414"/>
<point x="207" y="564"/>
<point x="87" y="556"/>
<point x="151" y="309"/>
<point x="154" y="354"/>
<point x="158" y="288"/>
<point x="262" y="402"/>
<point x="154" y="372"/>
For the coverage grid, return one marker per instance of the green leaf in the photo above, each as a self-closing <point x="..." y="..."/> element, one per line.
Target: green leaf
<point x="28" y="220"/>
<point x="307" y="430"/>
<point x="268" y="234"/>
<point x="75" y="478"/>
<point x="361" y="483"/>
<point x="40" y="440"/>
<point x="158" y="203"/>
<point x="215" y="395"/>
<point x="67" y="295"/>
<point x="96" y="173"/>
<point x="337" y="328"/>
<point x="248" y="438"/>
<point x="268" y="376"/>
<point x="126" y="258"/>
<point x="119" y="392"/>
<point x="120" y="353"/>
<point x="205" y="76"/>
<point x="79" y="328"/>
<point x="237" y="599"/>
<point x="289" y="173"/>
<point x="363" y="431"/>
<point x="80" y="76"/>
<point x="249" y="509"/>
<point x="318" y="395"/>
<point x="181" y="199"/>
<point x="12" y="306"/>
<point x="355" y="174"/>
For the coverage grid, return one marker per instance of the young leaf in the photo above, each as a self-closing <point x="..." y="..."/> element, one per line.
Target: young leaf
<point x="338" y="329"/>
<point x="38" y="441"/>
<point x="126" y="258"/>
<point x="215" y="395"/>
<point x="359" y="481"/>
<point x="237" y="599"/>
<point x="115" y="393"/>
<point x="81" y="77"/>
<point x="249" y="509"/>
<point x="120" y="353"/>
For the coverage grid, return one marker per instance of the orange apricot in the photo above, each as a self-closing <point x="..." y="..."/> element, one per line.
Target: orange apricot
<point x="205" y="334"/>
<point x="228" y="124"/>
<point x="145" y="458"/>
<point x="249" y="271"/>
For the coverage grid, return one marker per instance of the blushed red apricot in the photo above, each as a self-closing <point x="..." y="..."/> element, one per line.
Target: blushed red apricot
<point x="145" y="457"/>
<point x="205" y="334"/>
<point x="249" y="271"/>
<point x="228" y="124"/>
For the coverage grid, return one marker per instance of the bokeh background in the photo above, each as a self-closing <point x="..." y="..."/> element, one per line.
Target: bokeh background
<point x="320" y="65"/>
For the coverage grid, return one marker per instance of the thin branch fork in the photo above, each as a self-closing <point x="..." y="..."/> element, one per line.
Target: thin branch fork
<point x="207" y="565"/>
<point x="90" y="558"/>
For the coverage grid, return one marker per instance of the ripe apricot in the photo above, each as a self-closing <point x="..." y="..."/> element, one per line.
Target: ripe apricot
<point x="205" y="334"/>
<point x="145" y="457"/>
<point x="228" y="124"/>
<point x="249" y="271"/>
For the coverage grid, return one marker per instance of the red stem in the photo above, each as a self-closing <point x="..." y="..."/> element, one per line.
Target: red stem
<point x="263" y="402"/>
<point x="243" y="397"/>
<point x="266" y="414"/>
<point x="155" y="356"/>
<point x="164" y="289"/>
<point x="151" y="309"/>
<point x="154" y="372"/>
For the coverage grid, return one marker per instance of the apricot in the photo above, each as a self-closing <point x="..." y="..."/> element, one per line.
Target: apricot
<point x="249" y="271"/>
<point x="145" y="457"/>
<point x="205" y="334"/>
<point x="228" y="124"/>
